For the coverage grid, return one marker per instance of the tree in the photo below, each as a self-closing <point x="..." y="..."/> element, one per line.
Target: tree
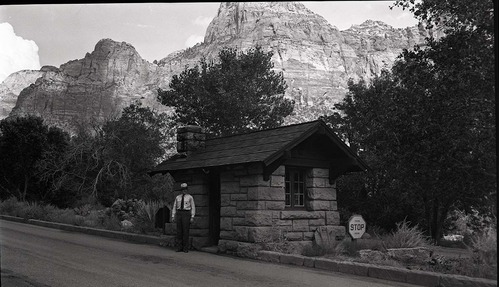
<point x="131" y="146"/>
<point x="237" y="94"/>
<point x="112" y="161"/>
<point x="24" y="143"/>
<point x="428" y="126"/>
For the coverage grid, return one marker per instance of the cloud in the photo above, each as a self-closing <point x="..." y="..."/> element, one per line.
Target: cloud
<point x="16" y="53"/>
<point x="193" y="40"/>
<point x="202" y="21"/>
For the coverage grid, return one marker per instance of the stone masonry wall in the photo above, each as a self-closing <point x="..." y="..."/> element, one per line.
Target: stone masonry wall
<point x="253" y="210"/>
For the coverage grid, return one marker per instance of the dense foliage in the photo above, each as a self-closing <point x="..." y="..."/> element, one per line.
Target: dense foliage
<point x="427" y="127"/>
<point x="25" y="143"/>
<point x="42" y="163"/>
<point x="237" y="94"/>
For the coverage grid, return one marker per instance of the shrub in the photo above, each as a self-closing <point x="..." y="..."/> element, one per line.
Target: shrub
<point x="111" y="222"/>
<point x="33" y="210"/>
<point x="93" y="219"/>
<point x="126" y="209"/>
<point x="275" y="240"/>
<point x="83" y="210"/>
<point x="146" y="216"/>
<point x="405" y="237"/>
<point x="48" y="210"/>
<point x="10" y="206"/>
<point x="347" y="247"/>
<point x="467" y="223"/>
<point x="79" y="220"/>
<point x="484" y="247"/>
<point x="66" y="216"/>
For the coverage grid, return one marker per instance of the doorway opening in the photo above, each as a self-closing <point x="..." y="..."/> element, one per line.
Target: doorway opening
<point x="214" y="206"/>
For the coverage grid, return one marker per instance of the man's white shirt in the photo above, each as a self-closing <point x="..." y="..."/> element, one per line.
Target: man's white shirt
<point x="188" y="204"/>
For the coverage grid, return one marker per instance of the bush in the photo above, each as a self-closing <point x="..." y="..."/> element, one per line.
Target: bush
<point x="467" y="223"/>
<point x="32" y="210"/>
<point x="484" y="247"/>
<point x="10" y="206"/>
<point x="405" y="237"/>
<point x="146" y="216"/>
<point x="66" y="216"/>
<point x="83" y="210"/>
<point x="111" y="222"/>
<point x="348" y="247"/>
<point x="79" y="220"/>
<point x="126" y="209"/>
<point x="93" y="219"/>
<point x="275" y="240"/>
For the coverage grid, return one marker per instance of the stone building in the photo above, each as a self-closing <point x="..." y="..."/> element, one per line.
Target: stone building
<point x="250" y="187"/>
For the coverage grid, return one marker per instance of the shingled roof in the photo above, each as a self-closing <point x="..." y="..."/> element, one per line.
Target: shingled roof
<point x="264" y="146"/>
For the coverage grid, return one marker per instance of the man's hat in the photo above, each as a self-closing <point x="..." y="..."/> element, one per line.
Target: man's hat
<point x="183" y="186"/>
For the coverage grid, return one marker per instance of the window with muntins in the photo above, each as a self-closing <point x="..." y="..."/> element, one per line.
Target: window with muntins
<point x="295" y="187"/>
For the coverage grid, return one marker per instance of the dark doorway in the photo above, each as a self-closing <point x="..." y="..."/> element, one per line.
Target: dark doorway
<point x="162" y="217"/>
<point x="214" y="206"/>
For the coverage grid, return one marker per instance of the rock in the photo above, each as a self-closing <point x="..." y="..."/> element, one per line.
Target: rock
<point x="94" y="88"/>
<point x="126" y="224"/>
<point x="12" y="86"/>
<point x="315" y="58"/>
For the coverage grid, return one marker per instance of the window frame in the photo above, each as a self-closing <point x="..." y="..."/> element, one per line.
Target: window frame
<point x="289" y="182"/>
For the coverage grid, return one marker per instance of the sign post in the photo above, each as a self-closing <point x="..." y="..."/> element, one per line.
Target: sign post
<point x="356" y="226"/>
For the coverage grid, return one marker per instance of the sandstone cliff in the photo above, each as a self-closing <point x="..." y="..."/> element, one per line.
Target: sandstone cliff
<point x="315" y="57"/>
<point x="94" y="88"/>
<point x="12" y="86"/>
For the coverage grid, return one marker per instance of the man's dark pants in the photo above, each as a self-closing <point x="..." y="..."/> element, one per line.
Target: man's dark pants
<point x="183" y="225"/>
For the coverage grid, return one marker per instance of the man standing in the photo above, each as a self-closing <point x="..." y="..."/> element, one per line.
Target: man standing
<point x="183" y="213"/>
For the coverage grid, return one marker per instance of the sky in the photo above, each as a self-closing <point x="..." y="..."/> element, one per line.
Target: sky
<point x="32" y="36"/>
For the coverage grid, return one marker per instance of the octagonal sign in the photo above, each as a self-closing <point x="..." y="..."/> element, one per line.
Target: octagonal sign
<point x="356" y="226"/>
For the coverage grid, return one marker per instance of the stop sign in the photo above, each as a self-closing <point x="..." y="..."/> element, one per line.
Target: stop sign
<point x="356" y="226"/>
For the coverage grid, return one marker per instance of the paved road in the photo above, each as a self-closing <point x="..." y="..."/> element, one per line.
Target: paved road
<point x="39" y="256"/>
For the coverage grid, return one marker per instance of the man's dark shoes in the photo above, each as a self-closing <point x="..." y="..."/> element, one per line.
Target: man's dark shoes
<point x="178" y="249"/>
<point x="185" y="250"/>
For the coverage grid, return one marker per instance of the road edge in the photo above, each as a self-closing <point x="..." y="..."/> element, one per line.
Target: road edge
<point x="416" y="277"/>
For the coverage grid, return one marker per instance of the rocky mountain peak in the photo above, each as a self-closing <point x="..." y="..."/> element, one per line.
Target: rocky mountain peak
<point x="315" y="58"/>
<point x="110" y="61"/>
<point x="239" y="19"/>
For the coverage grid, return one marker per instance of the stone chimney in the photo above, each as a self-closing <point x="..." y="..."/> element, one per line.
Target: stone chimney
<point x="190" y="138"/>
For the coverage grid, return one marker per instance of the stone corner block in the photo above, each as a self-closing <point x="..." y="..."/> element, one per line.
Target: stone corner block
<point x="326" y="264"/>
<point x="423" y="278"/>
<point x="354" y="268"/>
<point x="292" y="259"/>
<point x="269" y="256"/>
<point x="309" y="262"/>
<point x="447" y="280"/>
<point x="388" y="273"/>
